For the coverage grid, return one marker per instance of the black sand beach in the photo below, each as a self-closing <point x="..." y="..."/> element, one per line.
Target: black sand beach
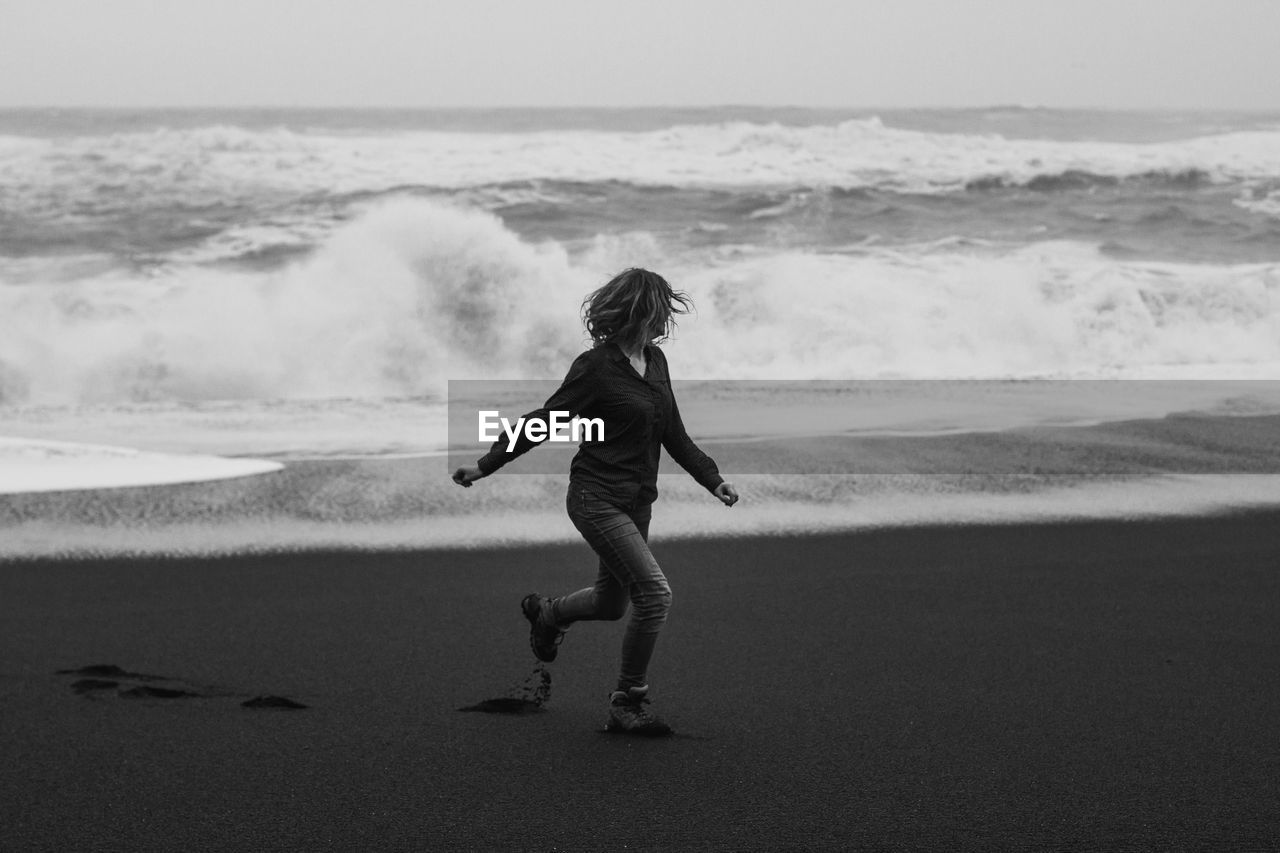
<point x="1088" y="686"/>
<point x="996" y="384"/>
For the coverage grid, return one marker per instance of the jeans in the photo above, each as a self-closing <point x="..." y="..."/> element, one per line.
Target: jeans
<point x="628" y="573"/>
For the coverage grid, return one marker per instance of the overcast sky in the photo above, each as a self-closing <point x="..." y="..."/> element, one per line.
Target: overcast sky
<point x="858" y="53"/>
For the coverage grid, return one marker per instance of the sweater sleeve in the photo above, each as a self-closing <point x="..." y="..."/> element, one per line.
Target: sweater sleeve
<point x="690" y="457"/>
<point x="573" y="396"/>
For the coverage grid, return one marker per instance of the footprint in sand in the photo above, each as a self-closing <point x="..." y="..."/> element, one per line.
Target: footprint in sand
<point x="146" y="691"/>
<point x="264" y="702"/>
<point x="88" y="685"/>
<point x="528" y="697"/>
<point x="110" y="670"/>
<point x="105" y="677"/>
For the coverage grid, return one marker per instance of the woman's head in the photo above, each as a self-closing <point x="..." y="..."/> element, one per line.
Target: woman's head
<point x="636" y="307"/>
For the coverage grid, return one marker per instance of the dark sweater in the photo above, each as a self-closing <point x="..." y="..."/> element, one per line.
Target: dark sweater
<point x="639" y="414"/>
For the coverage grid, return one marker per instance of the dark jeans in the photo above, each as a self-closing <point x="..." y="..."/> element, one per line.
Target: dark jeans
<point x="628" y="574"/>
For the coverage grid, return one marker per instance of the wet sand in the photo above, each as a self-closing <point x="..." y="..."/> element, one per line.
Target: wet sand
<point x="1100" y="685"/>
<point x="1180" y="465"/>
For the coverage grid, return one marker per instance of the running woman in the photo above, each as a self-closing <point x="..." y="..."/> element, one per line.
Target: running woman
<point x="623" y="379"/>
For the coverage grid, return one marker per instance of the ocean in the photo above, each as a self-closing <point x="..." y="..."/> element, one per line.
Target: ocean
<point x="300" y="284"/>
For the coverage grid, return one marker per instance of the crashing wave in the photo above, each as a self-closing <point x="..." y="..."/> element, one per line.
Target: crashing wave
<point x="413" y="293"/>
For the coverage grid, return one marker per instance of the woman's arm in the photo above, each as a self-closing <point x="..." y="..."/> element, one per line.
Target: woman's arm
<point x="690" y="457"/>
<point x="573" y="396"/>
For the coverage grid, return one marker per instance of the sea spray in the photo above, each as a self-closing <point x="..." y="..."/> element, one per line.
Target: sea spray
<point x="392" y="304"/>
<point x="215" y="164"/>
<point x="414" y="292"/>
<point x="1045" y="310"/>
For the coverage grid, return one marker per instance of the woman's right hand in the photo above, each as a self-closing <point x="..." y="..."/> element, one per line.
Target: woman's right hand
<point x="467" y="474"/>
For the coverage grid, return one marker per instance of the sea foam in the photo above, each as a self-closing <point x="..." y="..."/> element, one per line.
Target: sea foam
<point x="28" y="465"/>
<point x="413" y="293"/>
<point x="213" y="165"/>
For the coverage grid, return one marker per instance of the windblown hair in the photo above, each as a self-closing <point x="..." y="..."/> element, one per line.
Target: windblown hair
<point x="636" y="307"/>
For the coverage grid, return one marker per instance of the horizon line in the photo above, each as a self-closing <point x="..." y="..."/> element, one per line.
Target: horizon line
<point x="640" y="107"/>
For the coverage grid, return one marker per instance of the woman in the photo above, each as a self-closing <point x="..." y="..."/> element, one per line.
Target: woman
<point x="624" y="381"/>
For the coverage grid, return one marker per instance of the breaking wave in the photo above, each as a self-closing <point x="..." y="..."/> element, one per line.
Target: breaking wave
<point x="413" y="292"/>
<point x="213" y="165"/>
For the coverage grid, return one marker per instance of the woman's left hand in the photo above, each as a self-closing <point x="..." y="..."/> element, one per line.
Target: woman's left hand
<point x="727" y="494"/>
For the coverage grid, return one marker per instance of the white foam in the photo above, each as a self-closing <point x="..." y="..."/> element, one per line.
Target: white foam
<point x="393" y="304"/>
<point x="212" y="164"/>
<point x="1050" y="309"/>
<point x="1162" y="497"/>
<point x="1260" y="200"/>
<point x="29" y="465"/>
<point x="414" y="293"/>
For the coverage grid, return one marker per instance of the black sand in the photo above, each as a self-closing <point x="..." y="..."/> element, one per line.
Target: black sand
<point x="1099" y="686"/>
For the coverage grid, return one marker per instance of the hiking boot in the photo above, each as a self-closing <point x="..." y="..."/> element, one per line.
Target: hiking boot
<point x="544" y="634"/>
<point x="628" y="714"/>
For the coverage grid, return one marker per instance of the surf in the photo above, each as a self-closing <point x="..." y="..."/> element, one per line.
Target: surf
<point x="414" y="292"/>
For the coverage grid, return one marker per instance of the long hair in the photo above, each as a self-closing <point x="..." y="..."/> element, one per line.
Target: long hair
<point x="636" y="307"/>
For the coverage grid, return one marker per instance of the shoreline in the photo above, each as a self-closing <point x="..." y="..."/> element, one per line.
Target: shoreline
<point x="372" y="547"/>
<point x="1179" y="466"/>
<point x="1140" y="501"/>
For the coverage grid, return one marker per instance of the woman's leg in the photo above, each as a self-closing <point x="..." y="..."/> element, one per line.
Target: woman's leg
<point x="627" y="571"/>
<point x="606" y="599"/>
